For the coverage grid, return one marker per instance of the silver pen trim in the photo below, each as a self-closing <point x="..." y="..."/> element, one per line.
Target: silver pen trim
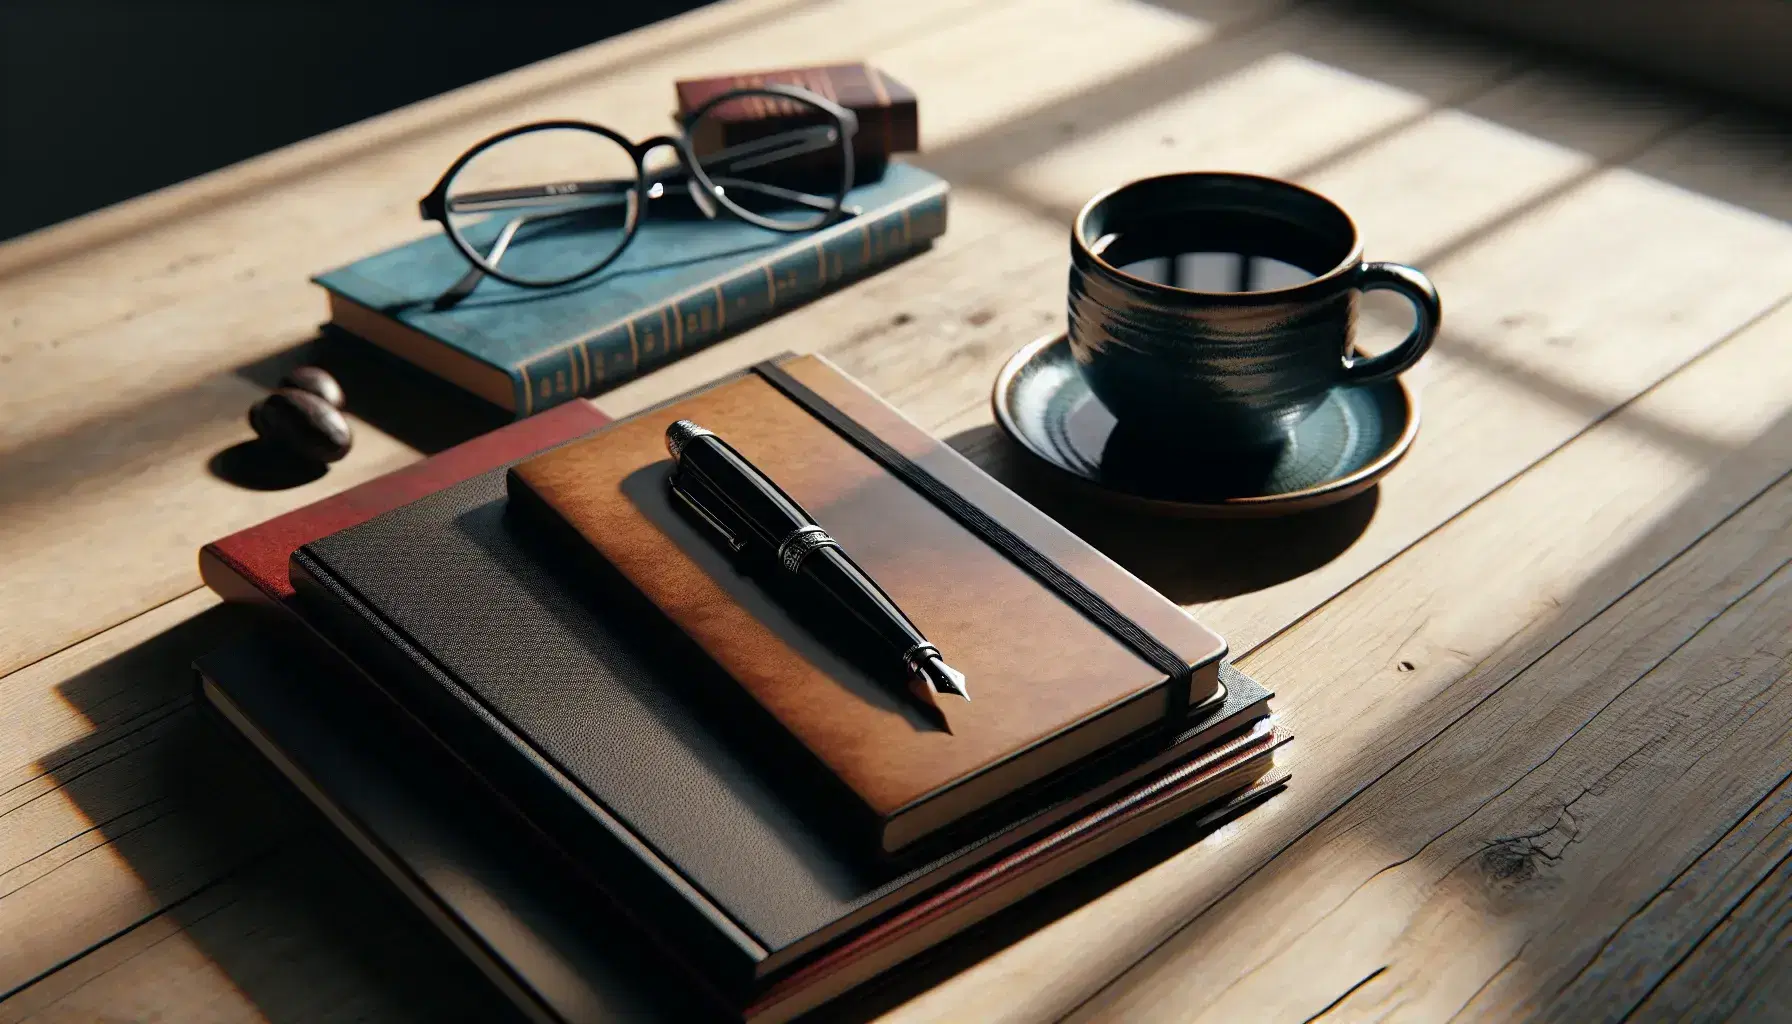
<point x="802" y="542"/>
<point x="682" y="433"/>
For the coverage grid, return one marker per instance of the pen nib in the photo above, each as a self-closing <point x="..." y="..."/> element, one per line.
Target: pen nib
<point x="941" y="676"/>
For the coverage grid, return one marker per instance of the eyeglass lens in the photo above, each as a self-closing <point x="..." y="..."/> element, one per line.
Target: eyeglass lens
<point x="545" y="206"/>
<point x="773" y="157"/>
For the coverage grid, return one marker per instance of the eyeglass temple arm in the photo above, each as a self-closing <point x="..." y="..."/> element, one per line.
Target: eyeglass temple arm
<point x="470" y="280"/>
<point x="768" y="148"/>
<point x="530" y="195"/>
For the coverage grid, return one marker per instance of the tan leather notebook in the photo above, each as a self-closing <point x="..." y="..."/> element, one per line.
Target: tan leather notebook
<point x="1051" y="685"/>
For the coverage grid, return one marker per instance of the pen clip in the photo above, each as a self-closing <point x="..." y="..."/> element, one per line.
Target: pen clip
<point x="689" y="488"/>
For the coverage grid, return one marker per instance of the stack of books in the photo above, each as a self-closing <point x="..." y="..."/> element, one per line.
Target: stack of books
<point x="686" y="282"/>
<point x="601" y="749"/>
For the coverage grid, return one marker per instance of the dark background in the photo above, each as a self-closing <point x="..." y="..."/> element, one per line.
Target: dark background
<point x="102" y="101"/>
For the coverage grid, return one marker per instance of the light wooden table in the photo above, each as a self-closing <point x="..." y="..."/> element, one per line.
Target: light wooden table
<point x="1541" y="684"/>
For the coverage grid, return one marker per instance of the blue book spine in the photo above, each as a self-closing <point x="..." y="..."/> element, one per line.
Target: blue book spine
<point x="700" y="316"/>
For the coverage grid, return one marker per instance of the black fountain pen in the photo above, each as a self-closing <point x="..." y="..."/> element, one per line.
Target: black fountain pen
<point x="747" y="510"/>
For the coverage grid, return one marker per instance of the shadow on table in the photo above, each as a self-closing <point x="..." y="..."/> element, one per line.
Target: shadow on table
<point x="263" y="466"/>
<point x="1397" y="49"/>
<point x="393" y="396"/>
<point x="241" y="866"/>
<point x="1015" y="923"/>
<point x="1188" y="560"/>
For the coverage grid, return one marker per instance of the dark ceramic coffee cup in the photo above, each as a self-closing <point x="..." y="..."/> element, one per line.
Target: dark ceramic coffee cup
<point x="1220" y="308"/>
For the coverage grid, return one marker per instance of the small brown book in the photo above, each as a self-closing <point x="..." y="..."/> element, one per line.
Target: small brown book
<point x="889" y="120"/>
<point x="1068" y="656"/>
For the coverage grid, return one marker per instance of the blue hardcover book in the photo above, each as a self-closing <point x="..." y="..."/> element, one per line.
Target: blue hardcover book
<point x="683" y="283"/>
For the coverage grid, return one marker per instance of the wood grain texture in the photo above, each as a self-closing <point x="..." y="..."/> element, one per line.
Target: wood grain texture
<point x="1594" y="240"/>
<point x="347" y="948"/>
<point x="118" y="800"/>
<point x="1740" y="969"/>
<point x="1581" y="789"/>
<point x="1522" y="889"/>
<point x="1380" y="671"/>
<point x="1710" y="940"/>
<point x="1523" y="345"/>
<point x="1539" y="334"/>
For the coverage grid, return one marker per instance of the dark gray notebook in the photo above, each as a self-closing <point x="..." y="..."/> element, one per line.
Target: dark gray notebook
<point x="502" y="647"/>
<point x="511" y="901"/>
<point x="504" y="895"/>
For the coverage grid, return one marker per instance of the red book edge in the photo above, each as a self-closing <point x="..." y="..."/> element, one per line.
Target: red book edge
<point x="250" y="565"/>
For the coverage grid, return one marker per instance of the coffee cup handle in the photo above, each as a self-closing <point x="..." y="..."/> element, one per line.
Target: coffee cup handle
<point x="1428" y="314"/>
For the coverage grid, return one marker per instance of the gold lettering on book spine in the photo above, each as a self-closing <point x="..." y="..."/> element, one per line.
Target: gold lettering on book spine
<point x="930" y="211"/>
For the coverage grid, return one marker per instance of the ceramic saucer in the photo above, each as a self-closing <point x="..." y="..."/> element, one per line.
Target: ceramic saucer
<point x="1337" y="452"/>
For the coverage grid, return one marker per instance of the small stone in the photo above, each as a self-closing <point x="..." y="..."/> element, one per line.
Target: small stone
<point x="317" y="381"/>
<point x="302" y="423"/>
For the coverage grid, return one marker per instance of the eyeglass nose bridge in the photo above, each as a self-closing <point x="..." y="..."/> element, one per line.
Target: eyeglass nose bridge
<point x="646" y="146"/>
<point x="706" y="203"/>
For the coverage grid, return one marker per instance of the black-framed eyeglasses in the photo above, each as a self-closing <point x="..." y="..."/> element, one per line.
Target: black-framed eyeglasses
<point x="548" y="203"/>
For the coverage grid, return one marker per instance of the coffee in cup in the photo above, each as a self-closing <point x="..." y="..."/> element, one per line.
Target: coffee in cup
<point x="1216" y="309"/>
